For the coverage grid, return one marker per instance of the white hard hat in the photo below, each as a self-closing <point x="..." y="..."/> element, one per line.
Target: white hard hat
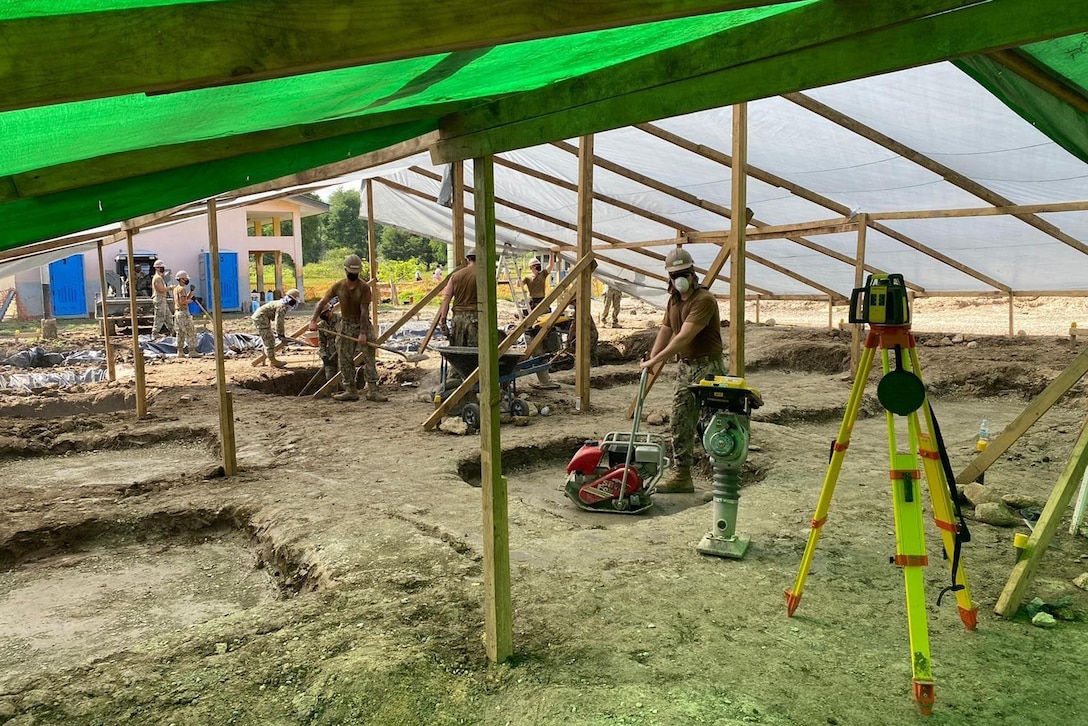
<point x="294" y="293"/>
<point x="180" y="274"/>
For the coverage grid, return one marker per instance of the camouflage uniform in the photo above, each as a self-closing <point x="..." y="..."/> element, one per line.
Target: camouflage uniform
<point x="262" y="320"/>
<point x="465" y="330"/>
<point x="327" y="344"/>
<point x="685" y="411"/>
<point x="345" y="350"/>
<point x="162" y="310"/>
<point x="612" y="298"/>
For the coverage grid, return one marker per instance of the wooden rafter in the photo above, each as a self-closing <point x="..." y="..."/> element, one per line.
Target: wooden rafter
<point x="1021" y="64"/>
<point x="691" y="199"/>
<point x="765" y="176"/>
<point x="812" y="46"/>
<point x="238" y="43"/>
<point x="950" y="175"/>
<point x="529" y="211"/>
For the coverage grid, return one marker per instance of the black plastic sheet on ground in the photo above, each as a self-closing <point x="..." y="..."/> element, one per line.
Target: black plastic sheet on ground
<point x="63" y="379"/>
<point x="408" y="338"/>
<point x="35" y="358"/>
<point x="205" y="344"/>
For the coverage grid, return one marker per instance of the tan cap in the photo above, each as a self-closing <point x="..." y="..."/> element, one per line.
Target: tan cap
<point x="159" y="263"/>
<point x="294" y="293"/>
<point x="352" y="263"/>
<point x="180" y="274"/>
<point x="678" y="260"/>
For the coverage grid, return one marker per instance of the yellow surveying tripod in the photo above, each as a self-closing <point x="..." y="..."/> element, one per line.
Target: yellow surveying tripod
<point x="882" y="303"/>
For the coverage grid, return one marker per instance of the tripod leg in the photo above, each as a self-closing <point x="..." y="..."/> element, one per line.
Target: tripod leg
<point x="842" y="441"/>
<point x="945" y="518"/>
<point x="910" y="554"/>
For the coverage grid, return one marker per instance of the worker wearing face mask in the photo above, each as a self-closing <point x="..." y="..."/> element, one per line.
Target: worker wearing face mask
<point x="355" y="328"/>
<point x="274" y="312"/>
<point x="691" y="330"/>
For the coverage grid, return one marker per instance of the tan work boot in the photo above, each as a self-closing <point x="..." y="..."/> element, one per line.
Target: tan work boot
<point x="275" y="362"/>
<point x="679" y="482"/>
<point x="372" y="394"/>
<point x="349" y="394"/>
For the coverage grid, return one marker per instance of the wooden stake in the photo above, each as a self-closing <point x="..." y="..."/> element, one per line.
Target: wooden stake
<point x="137" y="352"/>
<point x="498" y="611"/>
<point x="458" y="214"/>
<point x="430" y="333"/>
<point x="757" y="310"/>
<point x="107" y="324"/>
<point x="372" y="251"/>
<point x="1024" y="569"/>
<point x="583" y="345"/>
<point x="258" y="259"/>
<point x="226" y="406"/>
<point x="1012" y="330"/>
<point x="737" y="229"/>
<point x="830" y="314"/>
<point x="859" y="280"/>
<point x="1034" y="411"/>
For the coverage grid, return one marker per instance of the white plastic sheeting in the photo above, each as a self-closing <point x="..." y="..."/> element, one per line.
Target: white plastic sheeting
<point x="936" y="111"/>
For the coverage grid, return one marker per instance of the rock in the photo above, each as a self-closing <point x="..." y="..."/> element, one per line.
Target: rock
<point x="656" y="419"/>
<point x="1044" y="620"/>
<point x="995" y="513"/>
<point x="1019" y="501"/>
<point x="533" y="410"/>
<point x="186" y="398"/>
<point x="972" y="344"/>
<point x="769" y="322"/>
<point x="946" y="341"/>
<point x="453" y="425"/>
<point x="220" y="648"/>
<point x="1021" y="333"/>
<point x="521" y="420"/>
<point x="957" y="338"/>
<point x="979" y="494"/>
<point x="1081" y="581"/>
<point x="932" y="343"/>
<point x="505" y="417"/>
<point x="49" y="328"/>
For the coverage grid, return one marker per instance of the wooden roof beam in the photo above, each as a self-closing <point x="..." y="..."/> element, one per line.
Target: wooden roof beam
<point x="816" y="198"/>
<point x="809" y="47"/>
<point x="1021" y="64"/>
<point x="949" y="174"/>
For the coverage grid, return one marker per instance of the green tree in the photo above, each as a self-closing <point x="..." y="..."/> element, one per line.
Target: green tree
<point x="400" y="244"/>
<point x="313" y="235"/>
<point x="342" y="225"/>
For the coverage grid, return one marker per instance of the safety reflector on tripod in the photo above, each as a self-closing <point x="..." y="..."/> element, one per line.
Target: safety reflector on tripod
<point x="901" y="392"/>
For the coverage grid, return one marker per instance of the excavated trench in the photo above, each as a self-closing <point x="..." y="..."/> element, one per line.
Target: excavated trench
<point x="74" y="591"/>
<point x="292" y="382"/>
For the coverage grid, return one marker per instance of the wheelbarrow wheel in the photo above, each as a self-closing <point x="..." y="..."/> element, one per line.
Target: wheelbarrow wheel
<point x="471" y="415"/>
<point x="519" y="408"/>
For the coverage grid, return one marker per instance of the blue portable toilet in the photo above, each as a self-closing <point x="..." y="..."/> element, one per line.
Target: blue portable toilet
<point x="228" y="279"/>
<point x="66" y="287"/>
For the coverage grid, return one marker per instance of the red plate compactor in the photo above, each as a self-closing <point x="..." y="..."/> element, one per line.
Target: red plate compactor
<point x="619" y="473"/>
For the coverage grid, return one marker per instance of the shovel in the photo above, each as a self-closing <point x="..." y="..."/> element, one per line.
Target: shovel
<point x="310" y="338"/>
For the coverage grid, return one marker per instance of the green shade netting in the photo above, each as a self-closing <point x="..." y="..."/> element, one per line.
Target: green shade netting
<point x="42" y="137"/>
<point x="1065" y="59"/>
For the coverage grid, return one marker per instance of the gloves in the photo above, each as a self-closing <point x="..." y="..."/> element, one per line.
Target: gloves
<point x="192" y="288"/>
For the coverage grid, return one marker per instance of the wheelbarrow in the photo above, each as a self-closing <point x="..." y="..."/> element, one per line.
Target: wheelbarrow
<point x="465" y="360"/>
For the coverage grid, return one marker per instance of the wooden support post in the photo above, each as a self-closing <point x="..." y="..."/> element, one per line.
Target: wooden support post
<point x="1024" y="569"/>
<point x="859" y="280"/>
<point x="258" y="260"/>
<point x="107" y="324"/>
<point x="1012" y="330"/>
<point x="134" y="316"/>
<point x="226" y="404"/>
<point x="277" y="260"/>
<point x="498" y="611"/>
<point x="830" y="313"/>
<point x="737" y="229"/>
<point x="1034" y="411"/>
<point x="583" y="345"/>
<point x="757" y="309"/>
<point x="372" y="252"/>
<point x="508" y="342"/>
<point x="458" y="214"/>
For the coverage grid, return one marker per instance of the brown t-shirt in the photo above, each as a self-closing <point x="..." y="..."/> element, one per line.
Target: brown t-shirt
<point x="535" y="285"/>
<point x="463" y="284"/>
<point x="352" y="301"/>
<point x="701" y="309"/>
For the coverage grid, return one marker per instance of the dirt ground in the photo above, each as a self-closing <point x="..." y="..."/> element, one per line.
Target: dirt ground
<point x="338" y="578"/>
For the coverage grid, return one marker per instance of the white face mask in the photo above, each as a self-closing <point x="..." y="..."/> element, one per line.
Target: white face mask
<point x="682" y="284"/>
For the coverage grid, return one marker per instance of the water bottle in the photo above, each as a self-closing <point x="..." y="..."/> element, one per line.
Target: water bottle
<point x="983" y="436"/>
